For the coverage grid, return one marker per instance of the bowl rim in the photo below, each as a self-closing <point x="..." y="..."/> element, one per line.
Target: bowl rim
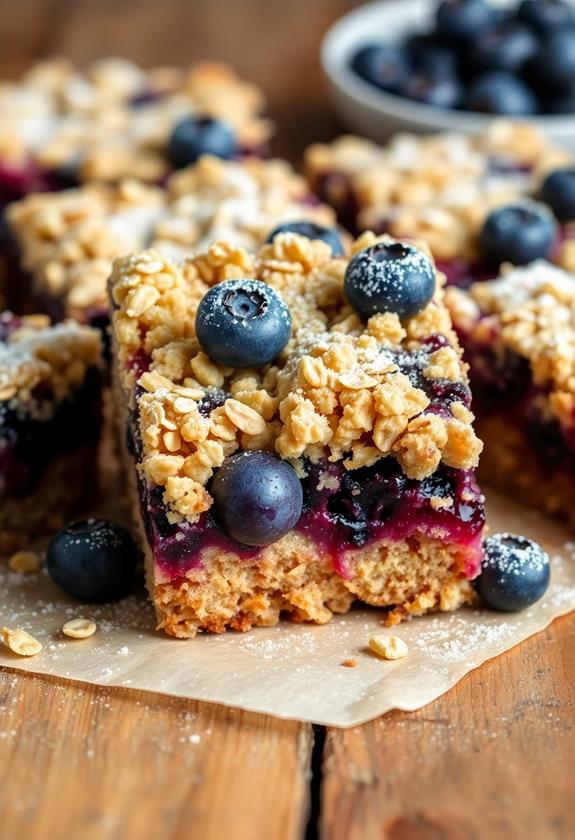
<point x="335" y="63"/>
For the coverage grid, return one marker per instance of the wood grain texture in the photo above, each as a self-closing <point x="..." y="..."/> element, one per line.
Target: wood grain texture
<point x="80" y="761"/>
<point x="491" y="759"/>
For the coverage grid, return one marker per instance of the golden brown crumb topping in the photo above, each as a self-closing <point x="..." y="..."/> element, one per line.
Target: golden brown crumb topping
<point x="114" y="121"/>
<point x="531" y="312"/>
<point x="438" y="188"/>
<point x="337" y="389"/>
<point x="68" y="240"/>
<point x="36" y="354"/>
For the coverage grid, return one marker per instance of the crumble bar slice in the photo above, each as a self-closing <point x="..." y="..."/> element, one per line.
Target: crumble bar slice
<point x="518" y="332"/>
<point x="65" y="242"/>
<point x="440" y="188"/>
<point x="59" y="127"/>
<point x="50" y="418"/>
<point x="373" y="417"/>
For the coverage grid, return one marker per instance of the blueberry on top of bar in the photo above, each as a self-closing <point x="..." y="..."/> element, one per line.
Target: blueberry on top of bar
<point x="439" y="188"/>
<point x="68" y="240"/>
<point x="339" y="386"/>
<point x="116" y="120"/>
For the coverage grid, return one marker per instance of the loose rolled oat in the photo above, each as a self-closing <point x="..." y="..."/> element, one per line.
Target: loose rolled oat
<point x="388" y="647"/>
<point x="20" y="642"/>
<point x="79" y="628"/>
<point x="25" y="562"/>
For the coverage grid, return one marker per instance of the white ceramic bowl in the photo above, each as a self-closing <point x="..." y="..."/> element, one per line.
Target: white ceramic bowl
<point x="378" y="114"/>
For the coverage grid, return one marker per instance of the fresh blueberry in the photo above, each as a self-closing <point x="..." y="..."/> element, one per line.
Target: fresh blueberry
<point x="554" y="62"/>
<point x="442" y="91"/>
<point x="517" y="233"/>
<point x="460" y="21"/>
<point x="258" y="497"/>
<point x="389" y="277"/>
<point x="197" y="136"/>
<point x="501" y="93"/>
<point x="243" y="323"/>
<point x="94" y="560"/>
<point x="382" y="65"/>
<point x="544" y="15"/>
<point x="507" y="47"/>
<point x="515" y="573"/>
<point x="558" y="191"/>
<point x="312" y="231"/>
<point x="430" y="57"/>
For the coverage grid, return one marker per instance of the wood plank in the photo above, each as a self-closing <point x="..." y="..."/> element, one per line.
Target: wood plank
<point x="82" y="761"/>
<point x="492" y="758"/>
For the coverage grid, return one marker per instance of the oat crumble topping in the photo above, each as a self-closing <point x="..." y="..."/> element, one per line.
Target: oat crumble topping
<point x="55" y="117"/>
<point x="336" y="388"/>
<point x="68" y="240"/>
<point x="57" y="356"/>
<point x="530" y="311"/>
<point x="438" y="188"/>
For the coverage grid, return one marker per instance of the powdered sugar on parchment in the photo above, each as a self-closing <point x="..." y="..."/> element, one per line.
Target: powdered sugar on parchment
<point x="292" y="671"/>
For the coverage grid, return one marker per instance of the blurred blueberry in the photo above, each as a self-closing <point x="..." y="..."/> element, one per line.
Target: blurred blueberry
<point x="501" y="93"/>
<point x="197" y="136"/>
<point x="431" y="57"/>
<point x="507" y="47"/>
<point x="443" y="91"/>
<point x="517" y="233"/>
<point x="554" y="61"/>
<point x="558" y="191"/>
<point x="544" y="15"/>
<point x="383" y="65"/>
<point x="461" y="21"/>
<point x="311" y="230"/>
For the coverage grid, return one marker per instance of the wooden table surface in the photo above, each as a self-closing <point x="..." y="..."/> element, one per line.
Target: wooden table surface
<point x="493" y="758"/>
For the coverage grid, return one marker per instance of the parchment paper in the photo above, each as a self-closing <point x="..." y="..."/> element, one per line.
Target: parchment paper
<point x="291" y="671"/>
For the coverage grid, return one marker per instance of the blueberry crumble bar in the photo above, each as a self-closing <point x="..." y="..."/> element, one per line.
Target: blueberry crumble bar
<point x="290" y="453"/>
<point x="50" y="418"/>
<point x="518" y="332"/>
<point x="455" y="192"/>
<point x="59" y="127"/>
<point x="65" y="242"/>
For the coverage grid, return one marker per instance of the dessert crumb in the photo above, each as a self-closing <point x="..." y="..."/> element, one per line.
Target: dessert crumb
<point x="79" y="628"/>
<point x="20" y="642"/>
<point x="388" y="647"/>
<point x="25" y="562"/>
<point x="349" y="663"/>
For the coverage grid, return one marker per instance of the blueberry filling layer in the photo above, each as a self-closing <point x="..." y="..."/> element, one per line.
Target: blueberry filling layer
<point x="502" y="385"/>
<point x="28" y="445"/>
<point x="356" y="509"/>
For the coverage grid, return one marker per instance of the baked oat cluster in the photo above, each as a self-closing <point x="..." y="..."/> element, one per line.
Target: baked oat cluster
<point x="114" y="121"/>
<point x="67" y="240"/>
<point x="36" y="357"/>
<point x="529" y="312"/>
<point x="438" y="188"/>
<point x="337" y="388"/>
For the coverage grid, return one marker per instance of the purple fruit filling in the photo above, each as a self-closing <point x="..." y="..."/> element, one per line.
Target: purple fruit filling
<point x="28" y="445"/>
<point x="502" y="385"/>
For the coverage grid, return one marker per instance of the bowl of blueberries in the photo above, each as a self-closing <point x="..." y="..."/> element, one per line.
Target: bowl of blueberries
<point x="420" y="65"/>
